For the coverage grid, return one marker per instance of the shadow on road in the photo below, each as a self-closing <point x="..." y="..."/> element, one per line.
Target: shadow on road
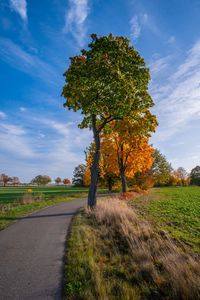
<point x="38" y="216"/>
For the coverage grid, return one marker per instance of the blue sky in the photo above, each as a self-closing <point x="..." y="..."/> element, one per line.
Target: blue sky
<point x="39" y="136"/>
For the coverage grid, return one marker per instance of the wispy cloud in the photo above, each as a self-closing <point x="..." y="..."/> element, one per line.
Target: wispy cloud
<point x="75" y="20"/>
<point x="22" y="109"/>
<point x="157" y="65"/>
<point x="69" y="131"/>
<point x="140" y="22"/>
<point x="31" y="64"/>
<point x="43" y="145"/>
<point x="178" y="102"/>
<point x="172" y="39"/>
<point x="2" y="115"/>
<point x="13" y="140"/>
<point x="135" y="27"/>
<point x="20" y="7"/>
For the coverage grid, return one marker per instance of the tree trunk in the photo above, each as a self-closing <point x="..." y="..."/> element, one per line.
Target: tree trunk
<point x="122" y="168"/>
<point x="123" y="180"/>
<point x="95" y="166"/>
<point x="109" y="181"/>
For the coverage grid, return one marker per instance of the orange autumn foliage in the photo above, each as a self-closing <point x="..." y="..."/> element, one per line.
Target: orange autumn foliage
<point x="124" y="149"/>
<point x="135" y="154"/>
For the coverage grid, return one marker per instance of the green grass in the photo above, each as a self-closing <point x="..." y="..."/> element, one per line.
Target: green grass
<point x="114" y="253"/>
<point x="13" y="194"/>
<point x="176" y="210"/>
<point x="94" y="269"/>
<point x="14" y="211"/>
<point x="11" y="206"/>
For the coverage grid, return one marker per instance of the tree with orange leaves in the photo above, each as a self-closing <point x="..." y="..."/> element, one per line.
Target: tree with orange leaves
<point x="106" y="174"/>
<point x="126" y="157"/>
<point x="124" y="151"/>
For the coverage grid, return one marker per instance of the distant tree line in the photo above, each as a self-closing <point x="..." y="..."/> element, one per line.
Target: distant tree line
<point x="160" y="174"/>
<point x="45" y="179"/>
<point x="5" y="179"/>
<point x="39" y="180"/>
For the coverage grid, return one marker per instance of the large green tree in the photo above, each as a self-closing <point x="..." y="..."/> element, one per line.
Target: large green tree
<point x="161" y="169"/>
<point x="58" y="180"/>
<point x="78" y="175"/>
<point x="41" y="180"/>
<point x="108" y="81"/>
<point x="195" y="176"/>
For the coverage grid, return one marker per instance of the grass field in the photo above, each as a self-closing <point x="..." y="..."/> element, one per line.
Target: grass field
<point x="176" y="210"/>
<point x="126" y="249"/>
<point x="16" y="202"/>
<point x="13" y="194"/>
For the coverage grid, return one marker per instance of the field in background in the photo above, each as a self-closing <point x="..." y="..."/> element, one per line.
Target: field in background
<point x="16" y="202"/>
<point x="175" y="210"/>
<point x="13" y="194"/>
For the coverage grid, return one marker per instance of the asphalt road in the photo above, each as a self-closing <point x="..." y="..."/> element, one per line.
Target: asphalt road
<point x="32" y="252"/>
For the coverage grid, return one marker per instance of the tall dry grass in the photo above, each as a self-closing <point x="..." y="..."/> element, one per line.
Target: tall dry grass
<point x="156" y="261"/>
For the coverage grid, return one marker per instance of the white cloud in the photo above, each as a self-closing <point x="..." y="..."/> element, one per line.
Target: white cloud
<point x="75" y="20"/>
<point x="14" y="141"/>
<point x="2" y="115"/>
<point x="135" y="27"/>
<point x="55" y="149"/>
<point x="172" y="39"/>
<point x="31" y="64"/>
<point x="19" y="6"/>
<point x="69" y="131"/>
<point x="23" y="109"/>
<point x="141" y="21"/>
<point x="178" y="101"/>
<point x="159" y="64"/>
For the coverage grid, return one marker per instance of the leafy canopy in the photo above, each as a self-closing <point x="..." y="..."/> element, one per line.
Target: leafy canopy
<point x="78" y="175"/>
<point x="195" y="175"/>
<point x="161" y="169"/>
<point x="109" y="80"/>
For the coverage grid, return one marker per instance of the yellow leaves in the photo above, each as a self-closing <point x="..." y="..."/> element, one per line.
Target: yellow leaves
<point x="132" y="152"/>
<point x="86" y="177"/>
<point x="124" y="147"/>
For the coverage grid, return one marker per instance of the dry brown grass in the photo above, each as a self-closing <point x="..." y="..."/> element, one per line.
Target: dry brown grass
<point x="156" y="262"/>
<point x="29" y="198"/>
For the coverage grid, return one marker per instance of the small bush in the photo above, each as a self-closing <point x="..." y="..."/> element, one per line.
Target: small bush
<point x="29" y="198"/>
<point x="38" y="196"/>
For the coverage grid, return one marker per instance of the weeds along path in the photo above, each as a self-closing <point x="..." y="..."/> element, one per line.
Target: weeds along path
<point x="32" y="251"/>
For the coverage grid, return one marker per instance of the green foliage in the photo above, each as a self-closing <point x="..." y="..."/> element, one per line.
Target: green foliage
<point x="58" y="180"/>
<point x="143" y="180"/>
<point x="109" y="80"/>
<point x="160" y="169"/>
<point x="78" y="175"/>
<point x="41" y="180"/>
<point x="195" y="176"/>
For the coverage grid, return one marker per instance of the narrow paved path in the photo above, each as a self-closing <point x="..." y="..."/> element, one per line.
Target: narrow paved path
<point x="32" y="251"/>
